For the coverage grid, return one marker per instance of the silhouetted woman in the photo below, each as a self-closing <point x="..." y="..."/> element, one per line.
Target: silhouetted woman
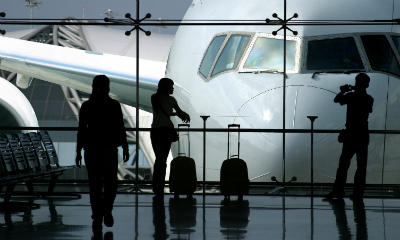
<point x="161" y="132"/>
<point x="101" y="131"/>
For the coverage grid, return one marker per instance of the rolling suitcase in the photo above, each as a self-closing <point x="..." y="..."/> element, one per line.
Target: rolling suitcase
<point x="234" y="177"/>
<point x="183" y="178"/>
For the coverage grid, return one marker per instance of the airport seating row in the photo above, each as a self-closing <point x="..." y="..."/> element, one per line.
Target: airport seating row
<point x="25" y="157"/>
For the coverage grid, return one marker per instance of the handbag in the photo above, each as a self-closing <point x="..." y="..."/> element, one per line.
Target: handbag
<point x="171" y="132"/>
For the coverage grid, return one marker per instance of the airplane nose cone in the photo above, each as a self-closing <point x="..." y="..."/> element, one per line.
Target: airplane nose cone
<point x="265" y="111"/>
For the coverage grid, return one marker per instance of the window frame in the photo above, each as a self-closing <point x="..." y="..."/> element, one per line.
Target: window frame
<point x="356" y="39"/>
<point x="279" y="37"/>
<point x="388" y="36"/>
<point x="228" y="36"/>
<point x="216" y="56"/>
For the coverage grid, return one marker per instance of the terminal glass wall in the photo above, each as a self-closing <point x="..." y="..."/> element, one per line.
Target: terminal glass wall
<point x="205" y="66"/>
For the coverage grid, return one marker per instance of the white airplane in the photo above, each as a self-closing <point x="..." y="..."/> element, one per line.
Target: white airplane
<point x="234" y="74"/>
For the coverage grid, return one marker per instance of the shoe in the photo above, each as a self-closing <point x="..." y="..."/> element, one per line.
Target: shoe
<point x="333" y="194"/>
<point x="97" y="223"/>
<point x="108" y="219"/>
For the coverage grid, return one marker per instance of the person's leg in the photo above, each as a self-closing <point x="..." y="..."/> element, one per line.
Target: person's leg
<point x="95" y="185"/>
<point x="348" y="152"/>
<point x="161" y="150"/>
<point x="110" y="169"/>
<point x="361" y="172"/>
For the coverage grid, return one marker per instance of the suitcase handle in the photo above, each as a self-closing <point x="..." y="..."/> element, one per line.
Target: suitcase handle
<point x="229" y="127"/>
<point x="179" y="144"/>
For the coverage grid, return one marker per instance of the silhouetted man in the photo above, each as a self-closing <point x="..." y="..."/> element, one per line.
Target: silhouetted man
<point x="101" y="131"/>
<point x="356" y="139"/>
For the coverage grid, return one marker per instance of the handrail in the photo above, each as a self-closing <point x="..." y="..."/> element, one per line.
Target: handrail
<point x="265" y="130"/>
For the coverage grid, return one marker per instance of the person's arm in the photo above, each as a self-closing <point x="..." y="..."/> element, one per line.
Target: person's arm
<point x="340" y="97"/>
<point x="181" y="114"/>
<point x="123" y="135"/>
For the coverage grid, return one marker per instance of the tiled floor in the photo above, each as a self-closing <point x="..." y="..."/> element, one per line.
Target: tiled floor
<point x="257" y="217"/>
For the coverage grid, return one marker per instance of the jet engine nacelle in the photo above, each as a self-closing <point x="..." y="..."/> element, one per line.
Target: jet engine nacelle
<point x="15" y="109"/>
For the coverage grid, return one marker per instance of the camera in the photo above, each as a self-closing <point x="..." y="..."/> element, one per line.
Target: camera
<point x="347" y="88"/>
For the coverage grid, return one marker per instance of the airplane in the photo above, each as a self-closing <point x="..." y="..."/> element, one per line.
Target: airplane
<point x="234" y="74"/>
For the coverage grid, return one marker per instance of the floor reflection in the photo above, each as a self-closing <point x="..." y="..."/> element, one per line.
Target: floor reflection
<point x="182" y="216"/>
<point x="360" y="219"/>
<point x="145" y="217"/>
<point x="98" y="235"/>
<point x="160" y="226"/>
<point x="21" y="229"/>
<point x="339" y="209"/>
<point x="234" y="218"/>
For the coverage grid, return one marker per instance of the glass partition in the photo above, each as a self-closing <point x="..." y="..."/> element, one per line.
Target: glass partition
<point x="253" y="100"/>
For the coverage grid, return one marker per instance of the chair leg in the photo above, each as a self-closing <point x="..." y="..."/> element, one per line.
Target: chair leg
<point x="29" y="185"/>
<point x="9" y="190"/>
<point x="52" y="184"/>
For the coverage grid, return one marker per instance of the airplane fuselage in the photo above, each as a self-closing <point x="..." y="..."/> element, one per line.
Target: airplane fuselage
<point x="248" y="90"/>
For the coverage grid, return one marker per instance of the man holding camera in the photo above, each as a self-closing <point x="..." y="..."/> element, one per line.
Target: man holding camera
<point x="355" y="138"/>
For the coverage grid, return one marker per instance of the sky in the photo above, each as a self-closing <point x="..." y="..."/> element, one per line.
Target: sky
<point x="54" y="9"/>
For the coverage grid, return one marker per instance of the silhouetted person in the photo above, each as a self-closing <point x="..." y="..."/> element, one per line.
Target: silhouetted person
<point x="101" y="130"/>
<point x="160" y="135"/>
<point x="356" y="140"/>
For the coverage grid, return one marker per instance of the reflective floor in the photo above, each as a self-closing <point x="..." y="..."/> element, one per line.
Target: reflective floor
<point x="257" y="217"/>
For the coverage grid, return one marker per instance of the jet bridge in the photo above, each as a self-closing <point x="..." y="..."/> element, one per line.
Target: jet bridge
<point x="72" y="36"/>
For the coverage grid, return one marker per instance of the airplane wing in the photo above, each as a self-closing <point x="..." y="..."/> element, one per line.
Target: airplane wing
<point x="76" y="68"/>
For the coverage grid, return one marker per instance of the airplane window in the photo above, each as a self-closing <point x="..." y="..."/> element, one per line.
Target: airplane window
<point x="339" y="53"/>
<point x="380" y="54"/>
<point x="211" y="54"/>
<point x="396" y="41"/>
<point x="231" y="53"/>
<point x="267" y="53"/>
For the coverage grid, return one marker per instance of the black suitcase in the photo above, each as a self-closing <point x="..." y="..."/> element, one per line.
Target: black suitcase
<point x="182" y="177"/>
<point x="234" y="177"/>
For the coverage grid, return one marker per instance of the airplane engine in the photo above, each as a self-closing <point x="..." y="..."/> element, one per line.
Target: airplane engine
<point x="15" y="109"/>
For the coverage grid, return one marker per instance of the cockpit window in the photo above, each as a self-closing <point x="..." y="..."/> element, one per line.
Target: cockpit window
<point x="339" y="53"/>
<point x="231" y="54"/>
<point x="380" y="54"/>
<point x="396" y="41"/>
<point x="267" y="53"/>
<point x="210" y="55"/>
